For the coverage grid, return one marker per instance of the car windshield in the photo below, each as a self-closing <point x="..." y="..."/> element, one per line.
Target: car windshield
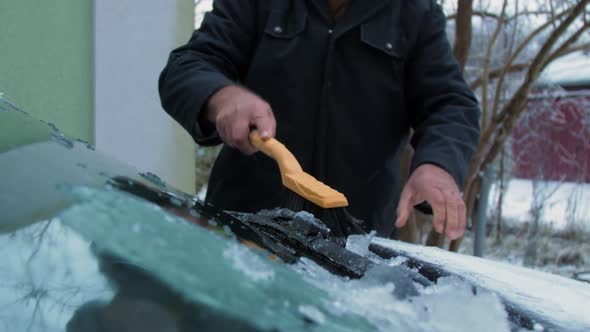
<point x="113" y="250"/>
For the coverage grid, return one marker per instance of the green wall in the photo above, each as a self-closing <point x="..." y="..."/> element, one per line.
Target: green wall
<point x="186" y="20"/>
<point x="46" y="61"/>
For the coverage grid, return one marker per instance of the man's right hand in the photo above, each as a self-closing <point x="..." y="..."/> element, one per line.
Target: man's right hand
<point x="234" y="110"/>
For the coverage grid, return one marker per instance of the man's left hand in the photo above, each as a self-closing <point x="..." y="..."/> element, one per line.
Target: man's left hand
<point x="434" y="185"/>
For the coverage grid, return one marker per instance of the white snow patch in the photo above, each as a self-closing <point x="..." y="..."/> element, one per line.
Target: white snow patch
<point x="312" y="313"/>
<point x="359" y="244"/>
<point x="487" y="313"/>
<point x="248" y="262"/>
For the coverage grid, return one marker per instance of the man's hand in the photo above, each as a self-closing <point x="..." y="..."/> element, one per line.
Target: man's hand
<point x="234" y="110"/>
<point x="434" y="185"/>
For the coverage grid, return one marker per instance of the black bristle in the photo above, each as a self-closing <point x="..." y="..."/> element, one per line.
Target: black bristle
<point x="339" y="220"/>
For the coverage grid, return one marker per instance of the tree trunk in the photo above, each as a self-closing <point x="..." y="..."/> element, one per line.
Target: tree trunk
<point x="500" y="199"/>
<point x="463" y="37"/>
<point x="463" y="31"/>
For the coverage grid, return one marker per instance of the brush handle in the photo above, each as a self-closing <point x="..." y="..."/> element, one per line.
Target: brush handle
<point x="276" y="150"/>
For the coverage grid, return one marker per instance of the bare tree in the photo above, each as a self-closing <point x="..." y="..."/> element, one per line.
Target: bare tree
<point x="505" y="73"/>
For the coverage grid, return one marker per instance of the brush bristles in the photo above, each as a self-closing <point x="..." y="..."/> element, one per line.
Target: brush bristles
<point x="341" y="223"/>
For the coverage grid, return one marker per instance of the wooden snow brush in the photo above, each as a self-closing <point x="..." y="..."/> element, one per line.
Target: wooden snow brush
<point x="307" y="193"/>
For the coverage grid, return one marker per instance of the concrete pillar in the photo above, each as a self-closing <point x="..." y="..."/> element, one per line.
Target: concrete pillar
<point x="132" y="40"/>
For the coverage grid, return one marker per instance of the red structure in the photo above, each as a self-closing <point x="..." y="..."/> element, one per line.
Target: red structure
<point x="551" y="141"/>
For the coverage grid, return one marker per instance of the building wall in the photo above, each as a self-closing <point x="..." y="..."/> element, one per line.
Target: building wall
<point x="132" y="40"/>
<point x="46" y="61"/>
<point x="91" y="67"/>
<point x="551" y="140"/>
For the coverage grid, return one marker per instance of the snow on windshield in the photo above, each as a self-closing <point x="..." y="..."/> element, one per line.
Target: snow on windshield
<point x="450" y="305"/>
<point x="203" y="265"/>
<point x="215" y="270"/>
<point x="219" y="272"/>
<point x="564" y="300"/>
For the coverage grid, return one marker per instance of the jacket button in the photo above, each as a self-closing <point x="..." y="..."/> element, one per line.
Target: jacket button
<point x="389" y="46"/>
<point x="278" y="29"/>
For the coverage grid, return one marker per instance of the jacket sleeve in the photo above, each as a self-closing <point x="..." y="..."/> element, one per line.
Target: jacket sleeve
<point x="217" y="55"/>
<point x="443" y="111"/>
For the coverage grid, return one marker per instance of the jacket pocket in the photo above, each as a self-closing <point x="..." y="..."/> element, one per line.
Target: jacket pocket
<point x="382" y="35"/>
<point x="285" y="25"/>
<point x="384" y="44"/>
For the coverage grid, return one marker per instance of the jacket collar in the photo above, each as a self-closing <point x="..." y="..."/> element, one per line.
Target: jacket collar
<point x="358" y="12"/>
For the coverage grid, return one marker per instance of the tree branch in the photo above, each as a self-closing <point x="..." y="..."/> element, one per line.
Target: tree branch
<point x="512" y="58"/>
<point x="482" y="14"/>
<point x="485" y="14"/>
<point x="566" y="46"/>
<point x="493" y="138"/>
<point x="556" y="55"/>
<point x="502" y="75"/>
<point x="486" y="68"/>
<point x="496" y="73"/>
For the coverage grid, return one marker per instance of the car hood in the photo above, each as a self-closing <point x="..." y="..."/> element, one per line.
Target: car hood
<point x="91" y="243"/>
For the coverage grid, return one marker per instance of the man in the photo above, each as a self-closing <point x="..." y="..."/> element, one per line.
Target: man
<point x="340" y="83"/>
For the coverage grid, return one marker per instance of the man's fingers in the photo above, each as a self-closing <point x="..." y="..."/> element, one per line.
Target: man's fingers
<point x="240" y="133"/>
<point x="462" y="212"/>
<point x="234" y="109"/>
<point x="437" y="202"/>
<point x="221" y="131"/>
<point x="452" y="216"/>
<point x="404" y="207"/>
<point x="265" y="122"/>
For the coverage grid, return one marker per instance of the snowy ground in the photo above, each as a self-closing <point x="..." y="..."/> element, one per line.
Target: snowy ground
<point x="557" y="253"/>
<point x="565" y="205"/>
<point x="563" y="241"/>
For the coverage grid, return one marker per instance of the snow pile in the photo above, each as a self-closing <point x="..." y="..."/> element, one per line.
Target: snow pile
<point x="451" y="305"/>
<point x="564" y="300"/>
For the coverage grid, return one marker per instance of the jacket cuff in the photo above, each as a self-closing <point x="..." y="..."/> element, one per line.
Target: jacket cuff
<point x="203" y="131"/>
